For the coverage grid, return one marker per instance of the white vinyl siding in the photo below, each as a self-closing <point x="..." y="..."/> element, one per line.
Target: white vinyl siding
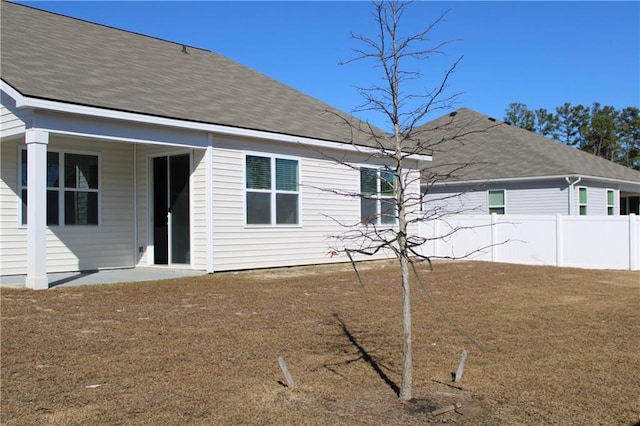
<point x="13" y="240"/>
<point x="72" y="248"/>
<point x="198" y="211"/>
<point x="520" y="198"/>
<point x="111" y="244"/>
<point x="537" y="198"/>
<point x="237" y="246"/>
<point x="453" y="200"/>
<point x="12" y="120"/>
<point x="550" y="197"/>
<point x="125" y="177"/>
<point x="123" y="238"/>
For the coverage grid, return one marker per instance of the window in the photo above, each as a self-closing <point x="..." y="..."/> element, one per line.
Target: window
<point x="497" y="202"/>
<point x="72" y="188"/>
<point x="611" y="202"/>
<point x="582" y="201"/>
<point x="272" y="193"/>
<point x="378" y="196"/>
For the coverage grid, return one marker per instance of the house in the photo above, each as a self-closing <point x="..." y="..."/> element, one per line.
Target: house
<point x="120" y="150"/>
<point x="493" y="167"/>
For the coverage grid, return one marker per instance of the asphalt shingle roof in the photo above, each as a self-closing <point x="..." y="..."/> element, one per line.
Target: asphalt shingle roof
<point x="54" y="57"/>
<point x="50" y="56"/>
<point x="511" y="152"/>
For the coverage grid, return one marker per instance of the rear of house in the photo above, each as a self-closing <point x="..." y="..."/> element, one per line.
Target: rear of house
<point x="132" y="169"/>
<point x="117" y="204"/>
<point x="503" y="169"/>
<point x="549" y="196"/>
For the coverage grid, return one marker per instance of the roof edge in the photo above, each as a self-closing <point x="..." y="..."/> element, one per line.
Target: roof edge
<point x="23" y="101"/>
<point x="86" y="21"/>
<point x="537" y="179"/>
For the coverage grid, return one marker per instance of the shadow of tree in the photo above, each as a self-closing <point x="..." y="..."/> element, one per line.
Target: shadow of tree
<point x="366" y="357"/>
<point x="74" y="277"/>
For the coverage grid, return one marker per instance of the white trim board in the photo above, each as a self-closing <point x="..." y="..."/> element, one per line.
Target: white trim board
<point x="36" y="103"/>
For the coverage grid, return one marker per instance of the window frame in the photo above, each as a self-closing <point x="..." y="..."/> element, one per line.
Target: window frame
<point x="582" y="205"/>
<point x="61" y="189"/>
<point x="378" y="196"/>
<point x="611" y="208"/>
<point x="273" y="191"/>
<point x="502" y="206"/>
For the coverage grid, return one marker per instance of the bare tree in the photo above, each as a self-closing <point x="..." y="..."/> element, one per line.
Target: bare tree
<point x="391" y="195"/>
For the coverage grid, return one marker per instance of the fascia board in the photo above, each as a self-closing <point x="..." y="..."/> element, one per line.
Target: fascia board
<point x="13" y="93"/>
<point x="608" y="180"/>
<point x="37" y="103"/>
<point x="537" y="179"/>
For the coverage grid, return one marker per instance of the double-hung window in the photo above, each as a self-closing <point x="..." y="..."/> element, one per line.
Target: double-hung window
<point x="611" y="202"/>
<point x="73" y="188"/>
<point x="497" y="201"/>
<point x="377" y="196"/>
<point x="582" y="200"/>
<point x="272" y="191"/>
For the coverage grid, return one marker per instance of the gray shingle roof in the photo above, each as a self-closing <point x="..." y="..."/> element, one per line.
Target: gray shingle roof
<point x="50" y="56"/>
<point x="507" y="151"/>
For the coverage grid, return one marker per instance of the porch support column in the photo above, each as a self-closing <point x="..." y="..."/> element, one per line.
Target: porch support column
<point x="209" y="203"/>
<point x="37" y="141"/>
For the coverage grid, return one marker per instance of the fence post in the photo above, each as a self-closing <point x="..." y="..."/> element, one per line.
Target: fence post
<point x="633" y="243"/>
<point x="559" y="241"/>
<point x="494" y="237"/>
<point x="436" y="234"/>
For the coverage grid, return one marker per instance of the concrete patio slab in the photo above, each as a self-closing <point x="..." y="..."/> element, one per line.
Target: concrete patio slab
<point x="72" y="279"/>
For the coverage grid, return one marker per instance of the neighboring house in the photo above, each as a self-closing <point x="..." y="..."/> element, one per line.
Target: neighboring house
<point x="120" y="150"/>
<point x="504" y="169"/>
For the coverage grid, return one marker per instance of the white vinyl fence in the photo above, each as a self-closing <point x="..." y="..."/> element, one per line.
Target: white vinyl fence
<point x="593" y="242"/>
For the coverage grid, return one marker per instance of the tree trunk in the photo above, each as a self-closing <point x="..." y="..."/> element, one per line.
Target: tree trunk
<point x="407" y="366"/>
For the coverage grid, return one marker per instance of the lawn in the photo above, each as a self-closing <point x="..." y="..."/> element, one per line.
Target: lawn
<point x="560" y="346"/>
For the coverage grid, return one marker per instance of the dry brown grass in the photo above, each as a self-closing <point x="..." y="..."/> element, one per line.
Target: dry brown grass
<point x="561" y="347"/>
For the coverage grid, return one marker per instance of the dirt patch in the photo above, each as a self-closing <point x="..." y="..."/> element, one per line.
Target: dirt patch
<point x="560" y="346"/>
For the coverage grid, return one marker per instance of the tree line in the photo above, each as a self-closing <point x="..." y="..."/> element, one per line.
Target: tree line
<point x="600" y="130"/>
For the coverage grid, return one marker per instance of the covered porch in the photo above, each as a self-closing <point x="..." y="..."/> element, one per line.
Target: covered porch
<point x="629" y="202"/>
<point x="99" y="201"/>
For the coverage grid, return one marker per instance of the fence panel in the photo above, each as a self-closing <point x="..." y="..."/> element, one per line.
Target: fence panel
<point x="529" y="240"/>
<point x="595" y="242"/>
<point x="591" y="242"/>
<point x="459" y="237"/>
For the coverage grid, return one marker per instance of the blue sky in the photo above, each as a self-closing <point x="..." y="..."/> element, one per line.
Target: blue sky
<point x="539" y="53"/>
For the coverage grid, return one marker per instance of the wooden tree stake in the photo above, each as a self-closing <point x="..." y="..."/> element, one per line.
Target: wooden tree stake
<point x="285" y="371"/>
<point x="463" y="358"/>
